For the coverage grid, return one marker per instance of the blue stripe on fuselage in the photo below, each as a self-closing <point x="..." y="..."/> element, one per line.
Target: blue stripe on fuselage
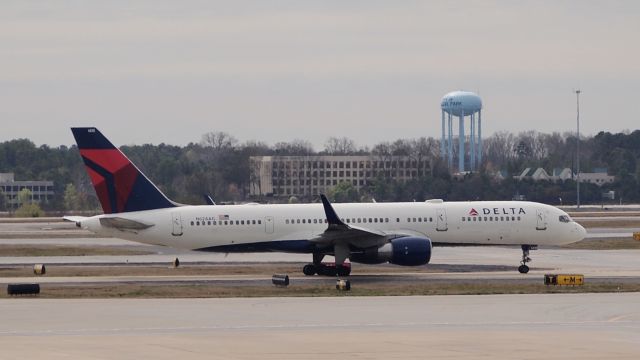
<point x="293" y="246"/>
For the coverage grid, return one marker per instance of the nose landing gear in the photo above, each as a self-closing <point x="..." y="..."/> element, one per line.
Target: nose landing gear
<point x="523" y="268"/>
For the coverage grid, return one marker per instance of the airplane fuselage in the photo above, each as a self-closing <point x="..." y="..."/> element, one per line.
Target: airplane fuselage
<point x="293" y="227"/>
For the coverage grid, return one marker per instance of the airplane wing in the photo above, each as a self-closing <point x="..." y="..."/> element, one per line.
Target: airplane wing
<point x="342" y="235"/>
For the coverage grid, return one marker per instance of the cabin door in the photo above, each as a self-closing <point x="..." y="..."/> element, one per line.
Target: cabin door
<point x="268" y="224"/>
<point x="441" y="220"/>
<point x="176" y="222"/>
<point x="541" y="220"/>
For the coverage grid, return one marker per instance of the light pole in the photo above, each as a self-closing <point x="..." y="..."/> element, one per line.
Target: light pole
<point x="578" y="149"/>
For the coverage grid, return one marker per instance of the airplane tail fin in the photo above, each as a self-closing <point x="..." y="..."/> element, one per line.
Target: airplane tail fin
<point x="119" y="184"/>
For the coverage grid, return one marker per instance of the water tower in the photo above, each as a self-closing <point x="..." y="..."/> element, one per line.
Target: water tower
<point x="462" y="104"/>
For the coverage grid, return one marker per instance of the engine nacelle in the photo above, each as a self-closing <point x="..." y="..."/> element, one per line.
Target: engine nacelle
<point x="407" y="251"/>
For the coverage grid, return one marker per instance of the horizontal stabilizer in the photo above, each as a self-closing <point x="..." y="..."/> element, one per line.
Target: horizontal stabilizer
<point x="123" y="224"/>
<point x="75" y="219"/>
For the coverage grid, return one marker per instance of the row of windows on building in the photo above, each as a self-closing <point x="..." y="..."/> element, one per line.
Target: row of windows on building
<point x="226" y="222"/>
<point x="341" y="174"/>
<point x="17" y="188"/>
<point x="348" y="164"/>
<point x="289" y="182"/>
<point x="491" y="218"/>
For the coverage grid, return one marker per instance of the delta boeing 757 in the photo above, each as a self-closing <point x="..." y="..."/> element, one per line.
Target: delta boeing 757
<point x="370" y="233"/>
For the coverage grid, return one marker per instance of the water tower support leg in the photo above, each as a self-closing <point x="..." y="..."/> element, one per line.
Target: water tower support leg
<point x="461" y="144"/>
<point x="479" y="138"/>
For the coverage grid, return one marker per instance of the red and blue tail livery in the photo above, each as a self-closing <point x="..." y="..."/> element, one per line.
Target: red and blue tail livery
<point x="119" y="184"/>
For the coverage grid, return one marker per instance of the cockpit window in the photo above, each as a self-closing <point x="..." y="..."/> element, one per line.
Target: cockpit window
<point x="564" y="218"/>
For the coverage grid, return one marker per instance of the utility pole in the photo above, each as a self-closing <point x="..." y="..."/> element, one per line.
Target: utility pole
<point x="578" y="149"/>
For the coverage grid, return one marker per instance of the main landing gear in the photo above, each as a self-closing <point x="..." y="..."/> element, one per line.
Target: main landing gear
<point x="326" y="269"/>
<point x="523" y="268"/>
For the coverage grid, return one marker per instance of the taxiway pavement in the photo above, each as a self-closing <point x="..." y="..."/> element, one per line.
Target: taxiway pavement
<point x="556" y="326"/>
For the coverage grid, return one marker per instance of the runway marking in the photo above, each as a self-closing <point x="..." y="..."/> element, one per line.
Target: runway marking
<point x="631" y="324"/>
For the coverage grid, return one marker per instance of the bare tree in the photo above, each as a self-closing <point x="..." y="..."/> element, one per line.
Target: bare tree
<point x="295" y="147"/>
<point x="219" y="141"/>
<point x="340" y="146"/>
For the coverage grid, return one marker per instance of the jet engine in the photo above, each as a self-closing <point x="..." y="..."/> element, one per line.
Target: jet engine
<point x="407" y="251"/>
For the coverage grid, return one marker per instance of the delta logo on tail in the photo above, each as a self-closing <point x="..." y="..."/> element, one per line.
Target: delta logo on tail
<point x="114" y="177"/>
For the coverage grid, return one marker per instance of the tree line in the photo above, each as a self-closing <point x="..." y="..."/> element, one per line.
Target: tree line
<point x="218" y="165"/>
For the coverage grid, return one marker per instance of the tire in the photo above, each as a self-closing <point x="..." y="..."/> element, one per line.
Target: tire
<point x="309" y="270"/>
<point x="523" y="269"/>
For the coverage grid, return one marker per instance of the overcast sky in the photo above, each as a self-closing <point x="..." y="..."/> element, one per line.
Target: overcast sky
<point x="170" y="71"/>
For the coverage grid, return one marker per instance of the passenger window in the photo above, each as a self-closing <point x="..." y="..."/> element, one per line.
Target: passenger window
<point x="303" y="221"/>
<point x="359" y="220"/>
<point x="198" y="223"/>
<point x="513" y="218"/>
<point x="397" y="219"/>
<point x="348" y="221"/>
<point x="209" y="222"/>
<point x="507" y="218"/>
<point x="192" y="223"/>
<point x="225" y="222"/>
<point x="214" y="222"/>
<point x="463" y="218"/>
<point x="308" y="221"/>
<point x="375" y="219"/>
<point x="480" y="219"/>
<point x="386" y="220"/>
<point x="298" y="221"/>
<point x="408" y="219"/>
<point x="242" y="222"/>
<point x="414" y="219"/>
<point x="475" y="219"/>
<point x="259" y="222"/>
<point x="485" y="218"/>
<point x="468" y="218"/>
<point x="501" y="218"/>
<point x="370" y="220"/>
<point x="518" y="218"/>
<point x="419" y="219"/>
<point x="430" y="219"/>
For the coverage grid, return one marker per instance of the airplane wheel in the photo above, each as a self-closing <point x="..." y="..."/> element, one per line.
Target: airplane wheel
<point x="309" y="270"/>
<point x="523" y="269"/>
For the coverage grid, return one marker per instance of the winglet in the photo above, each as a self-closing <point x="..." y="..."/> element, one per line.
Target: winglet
<point x="332" y="217"/>
<point x="209" y="199"/>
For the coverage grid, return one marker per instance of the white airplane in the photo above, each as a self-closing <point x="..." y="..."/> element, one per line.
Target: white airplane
<point x="398" y="233"/>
